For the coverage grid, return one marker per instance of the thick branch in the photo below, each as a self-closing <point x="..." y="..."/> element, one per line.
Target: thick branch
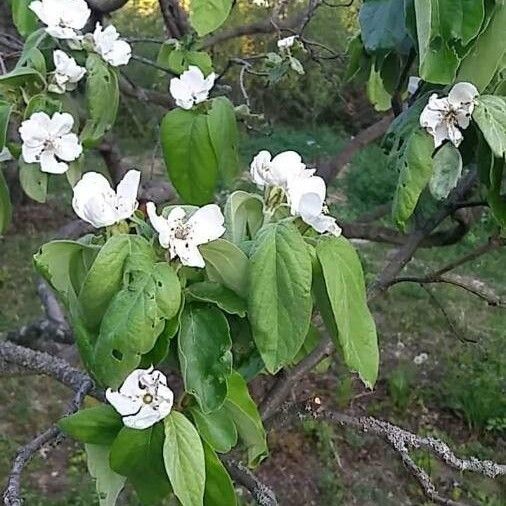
<point x="174" y="18"/>
<point x="43" y="363"/>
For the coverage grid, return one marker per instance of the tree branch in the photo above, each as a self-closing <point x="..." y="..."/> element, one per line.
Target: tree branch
<point x="401" y="441"/>
<point x="53" y="436"/>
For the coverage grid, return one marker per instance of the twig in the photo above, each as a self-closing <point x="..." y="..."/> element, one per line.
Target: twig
<point x="53" y="435"/>
<point x="401" y="440"/>
<point x="262" y="494"/>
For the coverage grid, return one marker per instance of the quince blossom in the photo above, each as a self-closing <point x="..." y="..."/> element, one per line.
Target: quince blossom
<point x="97" y="203"/>
<point x="268" y="171"/>
<point x="305" y="192"/>
<point x="182" y="235"/>
<point x="64" y="18"/>
<point x="191" y="87"/>
<point x="109" y="47"/>
<point x="50" y="141"/>
<point x="444" y="117"/>
<point x="67" y="73"/>
<point x="144" y="398"/>
<point x="287" y="42"/>
<point x="307" y="200"/>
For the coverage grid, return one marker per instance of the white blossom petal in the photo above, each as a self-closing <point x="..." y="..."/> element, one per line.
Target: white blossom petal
<point x="49" y="163"/>
<point x="463" y="94"/>
<point x="160" y="224"/>
<point x="287" y="42"/>
<point x="207" y="224"/>
<point x="67" y="147"/>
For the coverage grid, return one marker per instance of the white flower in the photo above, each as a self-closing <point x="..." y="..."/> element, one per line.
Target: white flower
<point x="191" y="87"/>
<point x="277" y="171"/>
<point x="306" y="196"/>
<point x="97" y="203"/>
<point x="413" y="84"/>
<point x="5" y="155"/>
<point x="49" y="141"/>
<point x="442" y="117"/>
<point x="67" y="73"/>
<point x="64" y="18"/>
<point x="109" y="47"/>
<point x="420" y="359"/>
<point x="143" y="399"/>
<point x="287" y="42"/>
<point x="182" y="236"/>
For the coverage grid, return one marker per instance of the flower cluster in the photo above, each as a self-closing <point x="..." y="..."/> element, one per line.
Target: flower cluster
<point x="65" y="19"/>
<point x="444" y="117"/>
<point x="305" y="192"/>
<point x="67" y="73"/>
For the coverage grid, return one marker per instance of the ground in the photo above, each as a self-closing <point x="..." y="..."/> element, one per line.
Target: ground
<point x="457" y="393"/>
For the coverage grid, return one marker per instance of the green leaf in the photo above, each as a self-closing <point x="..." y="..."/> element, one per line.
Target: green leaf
<point x="178" y="60"/>
<point x="244" y="412"/>
<point x="184" y="459"/>
<point x="204" y="354"/>
<point x="138" y="455"/>
<point x="461" y="19"/>
<point x="224" y="137"/>
<point x="376" y="92"/>
<point x="345" y="285"/>
<point x="447" y="171"/>
<point x="219" y="489"/>
<point x="484" y="59"/>
<point x="42" y="103"/>
<point x="189" y="155"/>
<point x="383" y="27"/>
<point x="108" y="483"/>
<point x="64" y="264"/>
<point x="226" y="264"/>
<point x="224" y="298"/>
<point x="98" y="425"/>
<point x="243" y="216"/>
<point x="216" y="428"/>
<point x="310" y="342"/>
<point x="415" y="172"/>
<point x="279" y="303"/>
<point x="167" y="290"/>
<point x="34" y="40"/>
<point x="5" y="204"/>
<point x="5" y="114"/>
<point x="129" y="329"/>
<point x="438" y="62"/>
<point x="105" y="276"/>
<point x="208" y="15"/>
<point x="24" y="18"/>
<point x="102" y="98"/>
<point x="20" y="77"/>
<point x="490" y="115"/>
<point x="33" y="180"/>
<point x="359" y="62"/>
